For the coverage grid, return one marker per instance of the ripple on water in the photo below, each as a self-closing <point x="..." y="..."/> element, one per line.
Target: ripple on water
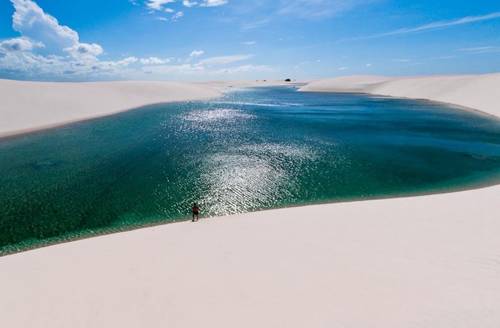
<point x="215" y="115"/>
<point x="254" y="176"/>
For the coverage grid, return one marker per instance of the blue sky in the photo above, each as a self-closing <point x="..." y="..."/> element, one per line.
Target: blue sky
<point x="85" y="40"/>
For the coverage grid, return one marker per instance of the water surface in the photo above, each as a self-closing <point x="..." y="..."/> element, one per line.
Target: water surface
<point x="252" y="149"/>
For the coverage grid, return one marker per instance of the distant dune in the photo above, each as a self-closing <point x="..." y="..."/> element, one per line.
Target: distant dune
<point x="480" y="92"/>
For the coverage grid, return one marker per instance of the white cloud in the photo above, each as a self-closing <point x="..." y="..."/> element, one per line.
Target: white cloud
<point x="160" y="5"/>
<point x="32" y="22"/>
<point x="249" y="43"/>
<point x="157" y="4"/>
<point x="48" y="50"/>
<point x="154" y="61"/>
<point x="189" y="4"/>
<point x="343" y="68"/>
<point x="85" y="50"/>
<point x="43" y="29"/>
<point x="223" y="60"/>
<point x="127" y="61"/>
<point x="19" y="44"/>
<point x="213" y="66"/>
<point x="196" y="53"/>
<point x="213" y="3"/>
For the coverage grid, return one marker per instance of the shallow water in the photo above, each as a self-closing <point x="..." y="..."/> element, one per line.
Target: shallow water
<point x="252" y="149"/>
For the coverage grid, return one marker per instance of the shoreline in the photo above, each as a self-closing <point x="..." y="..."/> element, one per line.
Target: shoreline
<point x="83" y="235"/>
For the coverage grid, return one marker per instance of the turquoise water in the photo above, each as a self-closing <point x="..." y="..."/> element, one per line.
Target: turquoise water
<point x="252" y="149"/>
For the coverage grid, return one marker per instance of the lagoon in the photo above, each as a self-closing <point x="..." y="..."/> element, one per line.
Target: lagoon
<point x="253" y="149"/>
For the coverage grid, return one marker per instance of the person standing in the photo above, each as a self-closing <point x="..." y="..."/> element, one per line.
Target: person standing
<point x="196" y="212"/>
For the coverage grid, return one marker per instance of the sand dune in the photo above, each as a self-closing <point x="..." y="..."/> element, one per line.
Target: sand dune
<point x="478" y="92"/>
<point x="27" y="106"/>
<point x="431" y="261"/>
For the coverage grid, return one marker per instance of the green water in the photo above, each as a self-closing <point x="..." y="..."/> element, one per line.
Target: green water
<point x="252" y="149"/>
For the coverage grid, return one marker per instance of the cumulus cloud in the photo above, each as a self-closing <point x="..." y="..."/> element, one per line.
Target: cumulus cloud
<point x="49" y="50"/>
<point x="32" y="22"/>
<point x="85" y="50"/>
<point x="39" y="28"/>
<point x="19" y="44"/>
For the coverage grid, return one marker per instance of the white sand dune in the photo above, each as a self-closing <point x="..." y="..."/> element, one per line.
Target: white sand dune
<point x="480" y="92"/>
<point x="430" y="261"/>
<point x="27" y="106"/>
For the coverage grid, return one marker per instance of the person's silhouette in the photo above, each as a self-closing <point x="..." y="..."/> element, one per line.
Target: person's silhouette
<point x="196" y="212"/>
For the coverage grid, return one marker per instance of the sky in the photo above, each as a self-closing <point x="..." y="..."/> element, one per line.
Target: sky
<point x="90" y="40"/>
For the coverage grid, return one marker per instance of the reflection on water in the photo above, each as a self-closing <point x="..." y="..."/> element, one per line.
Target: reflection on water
<point x="252" y="177"/>
<point x="214" y="115"/>
<point x="252" y="149"/>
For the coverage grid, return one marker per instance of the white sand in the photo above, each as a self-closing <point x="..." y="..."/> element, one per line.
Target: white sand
<point x="480" y="92"/>
<point x="27" y="106"/>
<point x="431" y="261"/>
